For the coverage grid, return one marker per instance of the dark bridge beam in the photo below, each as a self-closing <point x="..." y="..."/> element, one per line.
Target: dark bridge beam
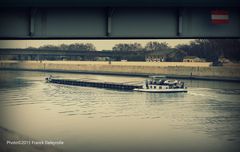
<point x="122" y="19"/>
<point x="119" y="3"/>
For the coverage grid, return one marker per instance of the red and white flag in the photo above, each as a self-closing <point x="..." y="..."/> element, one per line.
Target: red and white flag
<point x="220" y="17"/>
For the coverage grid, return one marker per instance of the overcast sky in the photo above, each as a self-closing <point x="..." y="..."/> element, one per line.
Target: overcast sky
<point x="99" y="44"/>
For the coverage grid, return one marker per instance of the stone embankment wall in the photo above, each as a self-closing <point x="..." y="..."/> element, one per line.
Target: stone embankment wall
<point x="174" y="69"/>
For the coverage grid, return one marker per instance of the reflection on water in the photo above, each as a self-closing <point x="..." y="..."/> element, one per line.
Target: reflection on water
<point x="207" y="118"/>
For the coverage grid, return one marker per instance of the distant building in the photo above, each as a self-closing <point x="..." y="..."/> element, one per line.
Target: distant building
<point x="102" y="58"/>
<point x="155" y="58"/>
<point x="172" y="55"/>
<point x="224" y="60"/>
<point x="193" y="59"/>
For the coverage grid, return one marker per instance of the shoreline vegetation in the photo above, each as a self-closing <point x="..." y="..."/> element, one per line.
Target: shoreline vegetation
<point x="210" y="49"/>
<point x="217" y="51"/>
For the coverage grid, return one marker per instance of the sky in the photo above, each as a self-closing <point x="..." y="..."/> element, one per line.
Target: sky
<point x="99" y="44"/>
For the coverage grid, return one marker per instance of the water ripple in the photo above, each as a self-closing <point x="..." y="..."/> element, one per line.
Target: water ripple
<point x="210" y="110"/>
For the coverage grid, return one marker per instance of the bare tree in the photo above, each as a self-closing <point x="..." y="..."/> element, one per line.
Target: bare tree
<point x="156" y="46"/>
<point x="127" y="47"/>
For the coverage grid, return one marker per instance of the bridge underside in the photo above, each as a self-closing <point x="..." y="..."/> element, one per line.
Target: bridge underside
<point x="115" y="23"/>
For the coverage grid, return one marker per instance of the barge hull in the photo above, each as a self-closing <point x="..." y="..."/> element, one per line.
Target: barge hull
<point x="109" y="85"/>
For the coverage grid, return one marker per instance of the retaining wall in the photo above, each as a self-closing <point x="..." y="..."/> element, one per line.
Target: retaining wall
<point x="136" y="68"/>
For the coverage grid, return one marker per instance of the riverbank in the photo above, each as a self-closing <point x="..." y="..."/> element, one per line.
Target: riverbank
<point x="172" y="69"/>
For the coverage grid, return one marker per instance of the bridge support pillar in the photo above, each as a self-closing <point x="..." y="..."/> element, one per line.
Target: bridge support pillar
<point x="109" y="20"/>
<point x="180" y="21"/>
<point x="32" y="15"/>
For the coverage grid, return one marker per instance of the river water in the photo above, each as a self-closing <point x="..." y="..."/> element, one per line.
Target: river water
<point x="207" y="118"/>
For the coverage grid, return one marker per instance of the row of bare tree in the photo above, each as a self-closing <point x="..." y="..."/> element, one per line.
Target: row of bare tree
<point x="150" y="46"/>
<point x="213" y="49"/>
<point x="64" y="47"/>
<point x="210" y="49"/>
